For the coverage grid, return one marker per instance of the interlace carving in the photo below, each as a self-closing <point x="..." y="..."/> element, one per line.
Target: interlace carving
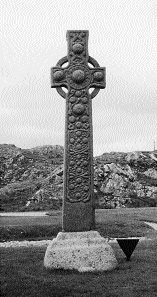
<point x="78" y="77"/>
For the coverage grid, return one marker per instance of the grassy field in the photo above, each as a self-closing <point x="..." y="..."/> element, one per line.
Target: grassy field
<point x="23" y="273"/>
<point x="112" y="223"/>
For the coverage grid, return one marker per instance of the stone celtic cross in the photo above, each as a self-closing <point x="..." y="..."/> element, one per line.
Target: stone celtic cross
<point x="77" y="77"/>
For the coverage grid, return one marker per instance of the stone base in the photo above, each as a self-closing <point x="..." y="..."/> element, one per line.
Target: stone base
<point x="83" y="251"/>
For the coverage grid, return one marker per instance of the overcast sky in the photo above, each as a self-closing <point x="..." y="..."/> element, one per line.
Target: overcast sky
<point x="122" y="38"/>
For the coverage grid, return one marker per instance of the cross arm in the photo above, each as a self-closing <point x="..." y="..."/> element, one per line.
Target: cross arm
<point x="58" y="77"/>
<point x="98" y="77"/>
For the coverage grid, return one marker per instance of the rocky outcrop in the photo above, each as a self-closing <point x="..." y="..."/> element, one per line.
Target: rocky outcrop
<point x="24" y="171"/>
<point x="131" y="180"/>
<point x="32" y="179"/>
<point x="28" y="164"/>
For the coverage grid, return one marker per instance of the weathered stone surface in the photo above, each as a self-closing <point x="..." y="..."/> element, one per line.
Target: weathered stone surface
<point x="24" y="171"/>
<point x="151" y="172"/>
<point x="18" y="164"/>
<point x="126" y="182"/>
<point x="83" y="251"/>
<point x="78" y="77"/>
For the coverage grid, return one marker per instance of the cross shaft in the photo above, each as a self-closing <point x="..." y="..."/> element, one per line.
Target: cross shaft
<point x="78" y="77"/>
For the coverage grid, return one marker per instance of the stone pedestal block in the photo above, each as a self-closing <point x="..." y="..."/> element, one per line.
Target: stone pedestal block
<point x="83" y="251"/>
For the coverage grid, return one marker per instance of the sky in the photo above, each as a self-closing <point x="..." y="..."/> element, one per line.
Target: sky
<point x="122" y="38"/>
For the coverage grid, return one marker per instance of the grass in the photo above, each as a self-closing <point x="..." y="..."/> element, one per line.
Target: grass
<point x="122" y="222"/>
<point x="23" y="274"/>
<point x="30" y="228"/>
<point x="125" y="222"/>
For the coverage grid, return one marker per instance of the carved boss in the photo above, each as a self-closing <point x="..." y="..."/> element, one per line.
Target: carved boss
<point x="81" y="73"/>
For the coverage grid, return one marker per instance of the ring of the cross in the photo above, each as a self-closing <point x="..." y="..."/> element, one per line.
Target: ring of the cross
<point x="91" y="61"/>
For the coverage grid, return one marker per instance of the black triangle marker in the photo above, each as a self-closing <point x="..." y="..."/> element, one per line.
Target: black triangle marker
<point x="128" y="245"/>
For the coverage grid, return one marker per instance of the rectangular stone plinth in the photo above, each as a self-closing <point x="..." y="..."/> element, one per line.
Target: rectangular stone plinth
<point x="83" y="251"/>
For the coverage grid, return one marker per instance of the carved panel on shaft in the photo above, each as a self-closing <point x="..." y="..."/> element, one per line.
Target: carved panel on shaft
<point x="79" y="154"/>
<point x="78" y="77"/>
